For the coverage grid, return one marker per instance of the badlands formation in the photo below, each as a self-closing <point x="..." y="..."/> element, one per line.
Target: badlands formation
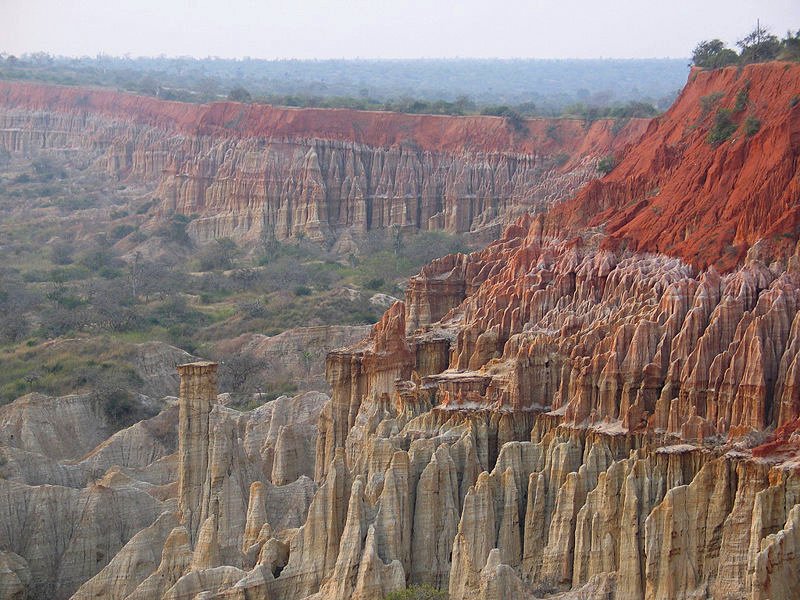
<point x="591" y="407"/>
<point x="245" y="171"/>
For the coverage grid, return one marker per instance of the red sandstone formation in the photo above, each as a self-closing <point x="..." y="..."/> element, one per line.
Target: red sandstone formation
<point x="674" y="192"/>
<point x="242" y="169"/>
<point x="232" y="119"/>
<point x="558" y="412"/>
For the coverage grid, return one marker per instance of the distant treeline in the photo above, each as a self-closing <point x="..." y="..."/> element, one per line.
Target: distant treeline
<point x="460" y="107"/>
<point x="757" y="46"/>
<point x="454" y="87"/>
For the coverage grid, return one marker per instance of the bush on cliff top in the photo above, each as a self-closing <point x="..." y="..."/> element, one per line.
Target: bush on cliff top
<point x="757" y="46"/>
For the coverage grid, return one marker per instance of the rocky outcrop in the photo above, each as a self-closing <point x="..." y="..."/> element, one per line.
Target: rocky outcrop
<point x="109" y="523"/>
<point x="247" y="171"/>
<point x="198" y="394"/>
<point x="296" y="355"/>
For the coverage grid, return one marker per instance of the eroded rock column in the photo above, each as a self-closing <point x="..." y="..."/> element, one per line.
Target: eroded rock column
<point x="197" y="397"/>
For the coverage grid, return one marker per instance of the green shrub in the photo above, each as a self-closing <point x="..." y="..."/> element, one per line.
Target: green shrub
<point x="120" y="231"/>
<point x="417" y="592"/>
<point x="552" y="132"/>
<point x="708" y="102"/>
<point x="175" y="230"/>
<point x="515" y="121"/>
<point x="607" y="164"/>
<point x="723" y="127"/>
<point x="302" y="290"/>
<point x="751" y="126"/>
<point x="218" y="255"/>
<point x="742" y="98"/>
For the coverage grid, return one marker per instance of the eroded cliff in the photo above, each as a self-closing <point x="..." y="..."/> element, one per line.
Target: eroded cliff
<point x="679" y="193"/>
<point x="553" y="416"/>
<point x="244" y="171"/>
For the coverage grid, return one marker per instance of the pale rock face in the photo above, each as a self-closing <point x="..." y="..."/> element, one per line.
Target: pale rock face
<point x="298" y="354"/>
<point x="67" y="535"/>
<point x="131" y="565"/>
<point x="15" y="577"/>
<point x="777" y="563"/>
<point x="64" y="429"/>
<point x="324" y="175"/>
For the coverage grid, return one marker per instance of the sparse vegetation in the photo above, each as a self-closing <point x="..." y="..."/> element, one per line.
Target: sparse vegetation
<point x="62" y="282"/>
<point x="417" y="592"/>
<point x="607" y="164"/>
<point x="707" y="103"/>
<point x="723" y="127"/>
<point x="742" y="98"/>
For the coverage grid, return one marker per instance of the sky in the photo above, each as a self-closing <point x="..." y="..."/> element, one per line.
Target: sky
<point x="383" y="29"/>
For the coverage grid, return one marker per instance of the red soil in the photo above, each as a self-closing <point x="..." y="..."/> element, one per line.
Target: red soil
<point x="428" y="132"/>
<point x="781" y="440"/>
<point x="673" y="192"/>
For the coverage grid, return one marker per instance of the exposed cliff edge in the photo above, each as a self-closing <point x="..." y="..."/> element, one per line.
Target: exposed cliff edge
<point x="676" y="192"/>
<point x="242" y="170"/>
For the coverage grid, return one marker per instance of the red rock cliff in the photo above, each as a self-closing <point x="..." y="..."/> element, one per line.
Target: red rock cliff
<point x="242" y="169"/>
<point x="674" y="192"/>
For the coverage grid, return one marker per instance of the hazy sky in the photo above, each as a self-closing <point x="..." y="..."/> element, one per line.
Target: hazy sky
<point x="383" y="29"/>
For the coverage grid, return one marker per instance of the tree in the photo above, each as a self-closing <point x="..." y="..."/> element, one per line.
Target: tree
<point x="791" y="46"/>
<point x="61" y="253"/>
<point x="515" y="121"/>
<point x="111" y="387"/>
<point x="713" y="55"/>
<point x="397" y="238"/>
<point x="239" y="94"/>
<point x="175" y="230"/>
<point x="238" y="372"/>
<point x="759" y="45"/>
<point x="218" y="255"/>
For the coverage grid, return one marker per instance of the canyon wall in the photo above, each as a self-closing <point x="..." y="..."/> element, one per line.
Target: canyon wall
<point x="562" y="414"/>
<point x="677" y="193"/>
<point x="246" y="171"/>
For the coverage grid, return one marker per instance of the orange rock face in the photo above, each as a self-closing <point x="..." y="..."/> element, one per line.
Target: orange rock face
<point x="579" y="322"/>
<point x="674" y="192"/>
<point x="242" y="169"/>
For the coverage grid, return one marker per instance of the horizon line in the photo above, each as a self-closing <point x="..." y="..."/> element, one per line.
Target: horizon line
<point x="130" y="56"/>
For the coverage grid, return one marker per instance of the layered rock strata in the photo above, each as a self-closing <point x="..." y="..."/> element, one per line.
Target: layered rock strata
<point x="546" y="416"/>
<point x="623" y="474"/>
<point x="560" y="418"/>
<point x="247" y="171"/>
